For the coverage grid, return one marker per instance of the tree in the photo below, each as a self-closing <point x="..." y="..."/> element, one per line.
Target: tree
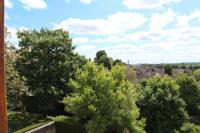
<point x="190" y="128"/>
<point x="105" y="61"/>
<point x="104" y="101"/>
<point x="99" y="54"/>
<point x="197" y="75"/>
<point x="190" y="93"/>
<point x="15" y="84"/>
<point x="168" y="70"/>
<point x="47" y="60"/>
<point x="102" y="58"/>
<point x="161" y="105"/>
<point x="117" y="62"/>
<point x="130" y="74"/>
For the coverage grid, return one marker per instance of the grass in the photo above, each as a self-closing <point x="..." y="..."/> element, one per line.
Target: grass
<point x="25" y="121"/>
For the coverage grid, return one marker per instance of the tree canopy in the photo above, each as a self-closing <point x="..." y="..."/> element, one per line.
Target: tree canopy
<point x="15" y="84"/>
<point x="102" y="58"/>
<point x="161" y="105"/>
<point x="104" y="101"/>
<point x="47" y="60"/>
<point x="168" y="70"/>
<point x="190" y="92"/>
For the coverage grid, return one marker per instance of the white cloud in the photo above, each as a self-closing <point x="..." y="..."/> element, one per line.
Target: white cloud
<point x="160" y="46"/>
<point x="88" y="50"/>
<point x="8" y="4"/>
<point x="33" y="4"/>
<point x="147" y="4"/>
<point x="159" y="21"/>
<point x="86" y="1"/>
<point x="184" y="20"/>
<point x="153" y="36"/>
<point x="114" y="24"/>
<point x="155" y="52"/>
<point x="80" y="40"/>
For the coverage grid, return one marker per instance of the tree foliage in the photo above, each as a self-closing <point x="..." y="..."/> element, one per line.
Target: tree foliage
<point x="189" y="128"/>
<point x="190" y="93"/>
<point x="102" y="58"/>
<point x="130" y="74"/>
<point x="47" y="60"/>
<point x="118" y="62"/>
<point x="197" y="74"/>
<point x="168" y="70"/>
<point x="104" y="101"/>
<point x="160" y="104"/>
<point x="15" y="84"/>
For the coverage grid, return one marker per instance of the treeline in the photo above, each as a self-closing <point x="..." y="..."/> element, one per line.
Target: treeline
<point x="46" y="76"/>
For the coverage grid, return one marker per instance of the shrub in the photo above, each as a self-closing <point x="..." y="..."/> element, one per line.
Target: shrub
<point x="190" y="128"/>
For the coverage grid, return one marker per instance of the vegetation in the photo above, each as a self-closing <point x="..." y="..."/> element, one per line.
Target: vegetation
<point x="20" y="120"/>
<point x="16" y="84"/>
<point x="168" y="70"/>
<point x="190" y="128"/>
<point x="190" y="92"/>
<point x="197" y="75"/>
<point x="102" y="58"/>
<point x="117" y="62"/>
<point x="161" y="105"/>
<point x="47" y="60"/>
<point x="46" y="76"/>
<point x="104" y="100"/>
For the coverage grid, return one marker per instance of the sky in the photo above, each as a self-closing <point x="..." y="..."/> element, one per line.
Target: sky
<point x="135" y="31"/>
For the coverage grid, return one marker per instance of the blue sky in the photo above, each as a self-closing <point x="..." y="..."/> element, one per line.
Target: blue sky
<point x="138" y="31"/>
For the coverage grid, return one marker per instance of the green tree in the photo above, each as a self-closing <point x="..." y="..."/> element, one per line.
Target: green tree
<point x="15" y="84"/>
<point x="161" y="105"/>
<point x="102" y="58"/>
<point x="168" y="70"/>
<point x="130" y="74"/>
<point x="99" y="54"/>
<point x="117" y="62"/>
<point x="190" y="128"/>
<point x="47" y="60"/>
<point x="197" y="75"/>
<point x="106" y="61"/>
<point x="190" y="93"/>
<point x="104" y="101"/>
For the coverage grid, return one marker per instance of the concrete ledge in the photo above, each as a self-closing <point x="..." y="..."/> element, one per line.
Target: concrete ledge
<point x="47" y="128"/>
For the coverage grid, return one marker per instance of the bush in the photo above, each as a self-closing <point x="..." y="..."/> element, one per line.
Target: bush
<point x="160" y="104"/>
<point x="190" y="128"/>
<point x="104" y="100"/>
<point x="190" y="93"/>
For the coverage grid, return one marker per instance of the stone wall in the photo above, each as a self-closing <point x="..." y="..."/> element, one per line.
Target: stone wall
<point x="47" y="128"/>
